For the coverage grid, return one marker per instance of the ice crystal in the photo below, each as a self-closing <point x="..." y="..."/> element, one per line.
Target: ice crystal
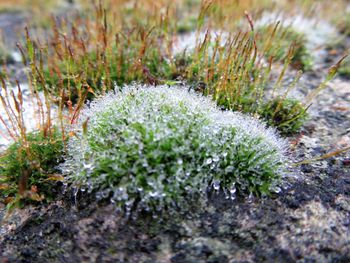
<point x="150" y="148"/>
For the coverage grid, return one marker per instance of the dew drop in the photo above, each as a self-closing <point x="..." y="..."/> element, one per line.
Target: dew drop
<point x="153" y="194"/>
<point x="99" y="196"/>
<point x="277" y="189"/>
<point x="216" y="185"/>
<point x="88" y="165"/>
<point x="250" y="198"/>
<point x="209" y="161"/>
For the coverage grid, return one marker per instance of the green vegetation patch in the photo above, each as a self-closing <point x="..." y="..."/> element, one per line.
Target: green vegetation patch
<point x="286" y="114"/>
<point x="229" y="68"/>
<point x="151" y="148"/>
<point x="27" y="170"/>
<point x="344" y="69"/>
<point x="95" y="55"/>
<point x="5" y="55"/>
<point x="280" y="41"/>
<point x="343" y="24"/>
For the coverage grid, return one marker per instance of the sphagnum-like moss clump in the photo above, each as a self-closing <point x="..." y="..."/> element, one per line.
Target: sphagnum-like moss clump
<point x="150" y="148"/>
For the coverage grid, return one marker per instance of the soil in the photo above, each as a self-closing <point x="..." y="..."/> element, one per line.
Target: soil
<point x="308" y="221"/>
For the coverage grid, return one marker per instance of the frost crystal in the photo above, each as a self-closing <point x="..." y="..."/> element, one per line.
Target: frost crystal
<point x="149" y="148"/>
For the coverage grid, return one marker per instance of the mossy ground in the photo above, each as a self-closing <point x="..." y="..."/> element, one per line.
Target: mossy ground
<point x="285" y="40"/>
<point x="288" y="115"/>
<point x="28" y="169"/>
<point x="307" y="222"/>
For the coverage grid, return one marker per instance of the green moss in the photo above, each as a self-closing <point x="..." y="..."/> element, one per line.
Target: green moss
<point x="344" y="69"/>
<point x="25" y="171"/>
<point x="119" y="66"/>
<point x="5" y="56"/>
<point x="10" y="10"/>
<point x="282" y="40"/>
<point x="238" y="83"/>
<point x="336" y="44"/>
<point x="152" y="148"/>
<point x="344" y="24"/>
<point x="287" y="115"/>
<point x="186" y="25"/>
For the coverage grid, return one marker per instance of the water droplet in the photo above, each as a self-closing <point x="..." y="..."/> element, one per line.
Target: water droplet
<point x="216" y="185"/>
<point x="76" y="196"/>
<point x="88" y="166"/>
<point x="105" y="193"/>
<point x="277" y="189"/>
<point x="216" y="159"/>
<point x="153" y="194"/>
<point x="250" y="198"/>
<point x="209" y="161"/>
<point x="99" y="196"/>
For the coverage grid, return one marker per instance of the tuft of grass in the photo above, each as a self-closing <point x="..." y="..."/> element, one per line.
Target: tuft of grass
<point x="27" y="168"/>
<point x="151" y="148"/>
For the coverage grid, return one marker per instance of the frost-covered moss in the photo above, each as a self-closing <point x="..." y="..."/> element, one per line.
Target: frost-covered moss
<point x="152" y="147"/>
